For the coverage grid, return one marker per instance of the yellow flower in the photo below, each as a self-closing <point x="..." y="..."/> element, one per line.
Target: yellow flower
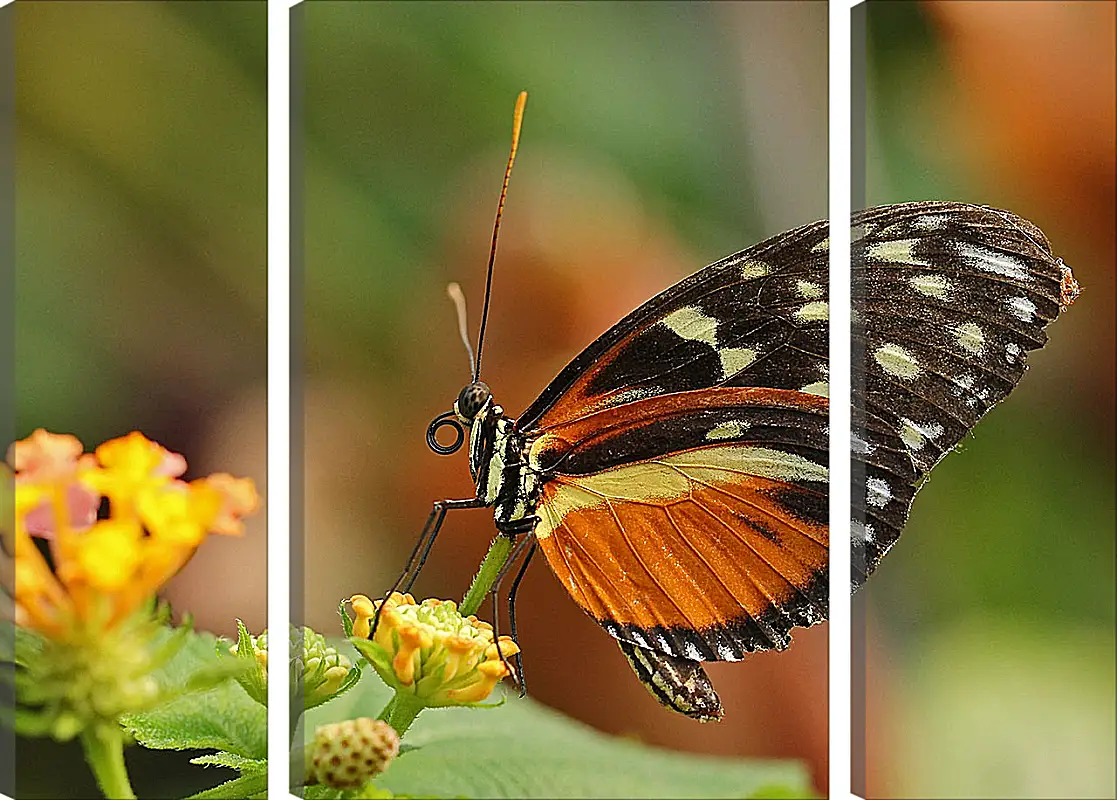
<point x="239" y="499"/>
<point x="430" y="651"/>
<point x="129" y="465"/>
<point x="179" y="513"/>
<point x="45" y="457"/>
<point x="93" y="637"/>
<point x="106" y="556"/>
<point x="105" y="570"/>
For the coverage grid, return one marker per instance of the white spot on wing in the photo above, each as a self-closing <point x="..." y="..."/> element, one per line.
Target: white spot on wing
<point x="929" y="222"/>
<point x="809" y="291"/>
<point x="915" y="435"/>
<point x="1022" y="308"/>
<point x="931" y="285"/>
<point x="859" y="445"/>
<point x="735" y="359"/>
<point x="965" y="380"/>
<point x="691" y="651"/>
<point x="878" y="492"/>
<point x="971" y="338"/>
<point x="753" y="269"/>
<point x="726" y="430"/>
<point x="897" y="361"/>
<point x="822" y="246"/>
<point x="820" y="388"/>
<point x="690" y="323"/>
<point x="964" y="383"/>
<point x="997" y="263"/>
<point x="1012" y="352"/>
<point x="813" y="312"/>
<point x="897" y="251"/>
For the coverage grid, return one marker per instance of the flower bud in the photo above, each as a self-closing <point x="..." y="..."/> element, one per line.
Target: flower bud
<point x="346" y="754"/>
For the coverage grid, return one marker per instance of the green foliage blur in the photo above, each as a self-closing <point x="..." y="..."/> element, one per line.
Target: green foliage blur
<point x="141" y="215"/>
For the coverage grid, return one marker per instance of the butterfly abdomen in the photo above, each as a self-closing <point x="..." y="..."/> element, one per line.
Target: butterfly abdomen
<point x="677" y="683"/>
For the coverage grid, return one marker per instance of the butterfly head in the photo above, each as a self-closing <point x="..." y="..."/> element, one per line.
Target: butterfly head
<point x="475" y="400"/>
<point x="471" y="400"/>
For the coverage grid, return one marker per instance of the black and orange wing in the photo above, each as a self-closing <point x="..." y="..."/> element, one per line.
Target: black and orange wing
<point x="692" y="524"/>
<point x="756" y="318"/>
<point x="688" y="550"/>
<point x="741" y="560"/>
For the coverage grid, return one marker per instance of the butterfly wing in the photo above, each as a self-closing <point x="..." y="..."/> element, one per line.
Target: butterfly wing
<point x="689" y="517"/>
<point x="694" y="523"/>
<point x="755" y="318"/>
<point x="947" y="298"/>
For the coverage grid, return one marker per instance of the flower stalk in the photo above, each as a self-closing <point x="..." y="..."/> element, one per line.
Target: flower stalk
<point x="494" y="562"/>
<point x="104" y="750"/>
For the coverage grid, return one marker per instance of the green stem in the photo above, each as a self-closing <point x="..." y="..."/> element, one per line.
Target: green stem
<point x="295" y="718"/>
<point x="498" y="554"/>
<point x="387" y="712"/>
<point x="104" y="750"/>
<point x="401" y="711"/>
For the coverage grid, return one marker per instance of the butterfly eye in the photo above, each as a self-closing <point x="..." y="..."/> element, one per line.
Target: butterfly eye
<point x="471" y="400"/>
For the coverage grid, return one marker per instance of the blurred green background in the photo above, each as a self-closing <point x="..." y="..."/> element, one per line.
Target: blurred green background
<point x="141" y="275"/>
<point x="991" y="653"/>
<point x="658" y="138"/>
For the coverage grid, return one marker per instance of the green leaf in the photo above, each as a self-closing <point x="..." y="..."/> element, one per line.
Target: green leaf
<point x="28" y="645"/>
<point x="249" y="766"/>
<point x="254" y="785"/>
<point x="346" y="620"/>
<point x="523" y="749"/>
<point x="222" y="718"/>
<point x="253" y="679"/>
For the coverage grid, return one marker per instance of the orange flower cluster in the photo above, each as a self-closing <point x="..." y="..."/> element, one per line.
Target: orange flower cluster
<point x="431" y="651"/>
<point x="106" y="569"/>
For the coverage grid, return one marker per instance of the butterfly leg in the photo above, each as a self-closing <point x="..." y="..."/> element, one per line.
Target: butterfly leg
<point x="519" y="659"/>
<point x="422" y="549"/>
<point x="520" y="527"/>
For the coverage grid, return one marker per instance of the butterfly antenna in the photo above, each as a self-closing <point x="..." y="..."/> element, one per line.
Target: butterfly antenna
<point x="517" y="121"/>
<point x="455" y="292"/>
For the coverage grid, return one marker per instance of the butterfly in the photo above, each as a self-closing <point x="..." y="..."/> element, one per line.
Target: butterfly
<point x="675" y="473"/>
